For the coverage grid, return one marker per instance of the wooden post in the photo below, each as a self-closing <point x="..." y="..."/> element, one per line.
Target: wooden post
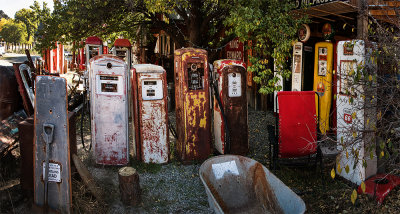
<point x="87" y="178"/>
<point x="129" y="186"/>
<point x="362" y="20"/>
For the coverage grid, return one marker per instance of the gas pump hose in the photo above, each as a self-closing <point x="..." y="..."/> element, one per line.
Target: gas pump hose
<point x="227" y="135"/>
<point x="84" y="94"/>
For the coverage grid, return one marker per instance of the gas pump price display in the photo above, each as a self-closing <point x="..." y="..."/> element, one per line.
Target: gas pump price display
<point x="109" y="84"/>
<point x="234" y="85"/>
<point x="195" y="76"/>
<point x="152" y="89"/>
<point x="322" y="61"/>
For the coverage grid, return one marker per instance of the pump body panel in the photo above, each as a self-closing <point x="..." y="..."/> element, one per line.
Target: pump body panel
<point x="231" y="77"/>
<point x="109" y="104"/>
<point x="192" y="97"/>
<point x="323" y="64"/>
<point x="149" y="84"/>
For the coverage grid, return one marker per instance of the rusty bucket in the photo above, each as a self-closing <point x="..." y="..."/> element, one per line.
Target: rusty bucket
<point x="236" y="184"/>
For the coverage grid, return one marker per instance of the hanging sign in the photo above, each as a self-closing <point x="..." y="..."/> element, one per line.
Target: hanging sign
<point x="304" y="33"/>
<point x="235" y="50"/>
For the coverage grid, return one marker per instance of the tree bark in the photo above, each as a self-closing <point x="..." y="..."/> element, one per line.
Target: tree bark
<point x="129" y="186"/>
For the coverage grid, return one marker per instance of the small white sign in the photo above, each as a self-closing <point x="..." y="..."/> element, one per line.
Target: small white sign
<point x="152" y="89"/>
<point x="220" y="169"/>
<point x="234" y="85"/>
<point x="54" y="172"/>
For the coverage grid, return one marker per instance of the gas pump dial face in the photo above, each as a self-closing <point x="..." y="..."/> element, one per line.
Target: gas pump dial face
<point x="195" y="76"/>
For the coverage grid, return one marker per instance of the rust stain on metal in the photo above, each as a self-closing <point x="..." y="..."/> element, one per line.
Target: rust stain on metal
<point x="264" y="194"/>
<point x="109" y="110"/>
<point x="234" y="106"/>
<point x="150" y="109"/>
<point x="192" y="104"/>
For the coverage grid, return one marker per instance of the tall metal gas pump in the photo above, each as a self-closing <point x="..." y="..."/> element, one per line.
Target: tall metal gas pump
<point x="192" y="97"/>
<point x="109" y="104"/>
<point x="230" y="107"/>
<point x="123" y="49"/>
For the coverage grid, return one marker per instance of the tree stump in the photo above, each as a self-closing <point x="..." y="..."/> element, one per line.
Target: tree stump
<point x="129" y="186"/>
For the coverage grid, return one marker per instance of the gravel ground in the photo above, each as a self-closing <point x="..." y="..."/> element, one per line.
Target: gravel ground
<point x="176" y="188"/>
<point x="172" y="187"/>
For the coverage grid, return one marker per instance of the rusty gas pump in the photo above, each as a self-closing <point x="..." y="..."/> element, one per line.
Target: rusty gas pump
<point x="150" y="110"/>
<point x="123" y="49"/>
<point x="109" y="104"/>
<point x="192" y="94"/>
<point x="230" y="107"/>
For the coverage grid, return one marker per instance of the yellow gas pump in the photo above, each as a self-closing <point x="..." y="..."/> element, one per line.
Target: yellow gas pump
<point x="323" y="82"/>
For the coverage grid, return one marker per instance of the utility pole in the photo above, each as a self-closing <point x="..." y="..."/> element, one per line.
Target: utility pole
<point x="362" y="20"/>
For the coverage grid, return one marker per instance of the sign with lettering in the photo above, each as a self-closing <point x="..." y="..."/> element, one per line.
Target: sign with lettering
<point x="54" y="172"/>
<point x="311" y="3"/>
<point x="235" y="50"/>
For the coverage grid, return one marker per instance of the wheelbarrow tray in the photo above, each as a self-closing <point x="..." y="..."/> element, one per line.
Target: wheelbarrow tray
<point x="236" y="184"/>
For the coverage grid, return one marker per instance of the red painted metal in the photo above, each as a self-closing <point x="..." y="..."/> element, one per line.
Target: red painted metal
<point x="81" y="59"/>
<point x="122" y="43"/>
<point x="93" y="40"/>
<point x="297" y="123"/>
<point x="379" y="186"/>
<point x="149" y="83"/>
<point x="235" y="50"/>
<point x="234" y="107"/>
<point x="192" y="95"/>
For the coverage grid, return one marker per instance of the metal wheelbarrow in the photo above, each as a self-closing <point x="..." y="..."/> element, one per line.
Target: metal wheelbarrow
<point x="236" y="184"/>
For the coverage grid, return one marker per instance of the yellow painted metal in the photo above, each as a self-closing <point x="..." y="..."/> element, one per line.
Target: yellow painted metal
<point x="323" y="65"/>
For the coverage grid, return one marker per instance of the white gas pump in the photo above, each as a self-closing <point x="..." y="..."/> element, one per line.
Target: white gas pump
<point x="149" y="85"/>
<point x="278" y="83"/>
<point x="353" y="118"/>
<point x="123" y="49"/>
<point x="109" y="104"/>
<point x="297" y="67"/>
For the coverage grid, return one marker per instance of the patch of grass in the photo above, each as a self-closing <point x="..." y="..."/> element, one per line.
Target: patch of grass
<point x="145" y="167"/>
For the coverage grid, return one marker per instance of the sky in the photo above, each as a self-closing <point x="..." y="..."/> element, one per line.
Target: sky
<point x="11" y="6"/>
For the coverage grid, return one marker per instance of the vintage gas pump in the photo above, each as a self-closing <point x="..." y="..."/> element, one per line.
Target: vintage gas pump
<point x="93" y="47"/>
<point x="278" y="83"/>
<point x="122" y="48"/>
<point x="297" y="67"/>
<point x="193" y="117"/>
<point x="231" y="79"/>
<point x="109" y="104"/>
<point x="355" y="112"/>
<point x="323" y="81"/>
<point x="149" y="85"/>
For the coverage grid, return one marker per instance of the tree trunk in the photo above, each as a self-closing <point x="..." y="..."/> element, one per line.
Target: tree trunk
<point x="129" y="186"/>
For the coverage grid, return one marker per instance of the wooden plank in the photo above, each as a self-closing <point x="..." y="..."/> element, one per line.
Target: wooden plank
<point x="51" y="108"/>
